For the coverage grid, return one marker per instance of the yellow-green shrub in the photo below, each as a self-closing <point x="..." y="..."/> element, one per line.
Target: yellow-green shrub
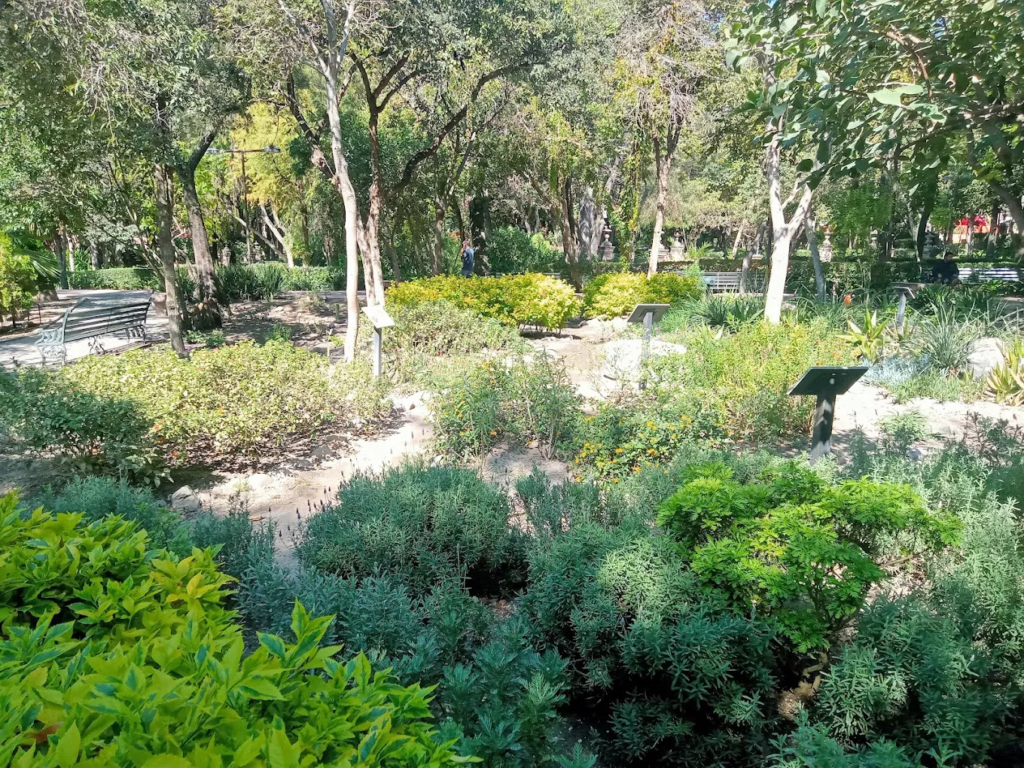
<point x="113" y="654"/>
<point x="523" y="300"/>
<point x="615" y="295"/>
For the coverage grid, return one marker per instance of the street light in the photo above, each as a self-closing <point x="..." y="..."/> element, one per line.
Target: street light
<point x="268" y="150"/>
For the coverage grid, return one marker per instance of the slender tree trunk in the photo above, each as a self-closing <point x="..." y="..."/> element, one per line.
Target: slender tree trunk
<point x="738" y="240"/>
<point x="208" y="311"/>
<point x="662" y="165"/>
<point x="568" y="234"/>
<point x="782" y="230"/>
<point x="1016" y="211"/>
<point x="437" y="263"/>
<point x="373" y="277"/>
<point x="280" y="235"/>
<point x="812" y="244"/>
<point x="60" y="246"/>
<point x="993" y="232"/>
<point x="348" y="197"/>
<point x="163" y="177"/>
<point x="922" y="229"/>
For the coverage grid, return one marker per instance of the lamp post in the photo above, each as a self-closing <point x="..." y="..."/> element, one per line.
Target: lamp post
<point x="268" y="150"/>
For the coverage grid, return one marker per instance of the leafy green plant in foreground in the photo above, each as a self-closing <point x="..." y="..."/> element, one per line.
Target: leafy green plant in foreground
<point x="114" y="654"/>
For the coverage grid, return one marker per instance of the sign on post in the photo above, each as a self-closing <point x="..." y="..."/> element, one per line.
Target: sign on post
<point x="904" y="291"/>
<point x="825" y="383"/>
<point x="648" y="314"/>
<point x="381" y="320"/>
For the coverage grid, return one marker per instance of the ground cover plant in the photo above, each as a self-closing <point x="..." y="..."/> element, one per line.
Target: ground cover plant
<point x="529" y="300"/>
<point x="130" y="657"/>
<point x="143" y="409"/>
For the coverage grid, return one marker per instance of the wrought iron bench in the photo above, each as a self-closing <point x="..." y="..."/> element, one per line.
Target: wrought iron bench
<point x="972" y="274"/>
<point x="729" y="282"/>
<point x="93" y="319"/>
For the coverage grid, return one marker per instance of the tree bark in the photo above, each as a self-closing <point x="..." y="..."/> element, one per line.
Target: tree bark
<point x="812" y="245"/>
<point x="437" y="263"/>
<point x="922" y="228"/>
<point x="662" y="165"/>
<point x="373" y="276"/>
<point x="738" y="240"/>
<point x="569" y="234"/>
<point x="1016" y="211"/>
<point x="163" y="178"/>
<point x="782" y="230"/>
<point x="208" y="311"/>
<point x="993" y="232"/>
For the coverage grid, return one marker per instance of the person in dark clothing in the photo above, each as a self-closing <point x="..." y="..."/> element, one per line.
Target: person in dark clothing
<point x="946" y="271"/>
<point x="467" y="259"/>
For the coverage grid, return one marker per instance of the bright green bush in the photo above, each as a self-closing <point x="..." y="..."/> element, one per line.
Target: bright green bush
<point x="483" y="403"/>
<point x="229" y="405"/>
<point x="745" y="376"/>
<point x="17" y="279"/>
<point x="616" y="294"/>
<point x="803" y="553"/>
<point x="419" y="525"/>
<point x="146" y="666"/>
<point x="521" y="300"/>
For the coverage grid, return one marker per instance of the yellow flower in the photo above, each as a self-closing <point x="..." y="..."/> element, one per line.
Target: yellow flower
<point x="493" y="433"/>
<point x="619" y="450"/>
<point x="616" y="480"/>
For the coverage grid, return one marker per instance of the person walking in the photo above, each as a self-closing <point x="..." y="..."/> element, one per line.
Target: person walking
<point x="467" y="259"/>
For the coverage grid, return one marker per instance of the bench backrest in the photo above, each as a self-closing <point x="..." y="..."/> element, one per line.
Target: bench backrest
<point x="723" y="282"/>
<point x="1010" y="274"/>
<point x="97" y="317"/>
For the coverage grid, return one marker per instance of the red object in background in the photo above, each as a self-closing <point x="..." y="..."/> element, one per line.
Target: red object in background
<point x="980" y="223"/>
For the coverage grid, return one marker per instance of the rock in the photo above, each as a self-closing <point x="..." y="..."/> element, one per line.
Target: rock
<point x="622" y="357"/>
<point x="986" y="355"/>
<point x="184" y="500"/>
<point x="259" y="481"/>
<point x="618" y="324"/>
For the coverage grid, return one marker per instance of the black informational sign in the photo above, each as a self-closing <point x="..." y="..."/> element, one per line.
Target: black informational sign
<point x="825" y="383"/>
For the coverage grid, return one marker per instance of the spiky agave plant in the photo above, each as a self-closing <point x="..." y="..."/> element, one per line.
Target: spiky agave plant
<point x="1006" y="381"/>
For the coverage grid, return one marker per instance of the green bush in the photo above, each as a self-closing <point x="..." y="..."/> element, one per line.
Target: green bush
<point x="117" y="279"/>
<point x="484" y="403"/>
<point x="419" y="525"/>
<point x="122" y="657"/>
<point x="231" y="405"/>
<point x="517" y="300"/>
<point x="744" y="377"/>
<point x="615" y="295"/>
<point x="17" y="279"/>
<point x="804" y="554"/>
<point x="511" y="250"/>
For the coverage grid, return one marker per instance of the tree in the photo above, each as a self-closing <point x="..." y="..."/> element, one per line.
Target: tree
<point x="17" y="280"/>
<point x="869" y="82"/>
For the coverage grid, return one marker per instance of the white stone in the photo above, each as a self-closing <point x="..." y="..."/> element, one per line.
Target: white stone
<point x="986" y="355"/>
<point x="185" y="500"/>
<point x="621" y="358"/>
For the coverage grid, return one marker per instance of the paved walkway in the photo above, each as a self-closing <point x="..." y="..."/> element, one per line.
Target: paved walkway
<point x="22" y="350"/>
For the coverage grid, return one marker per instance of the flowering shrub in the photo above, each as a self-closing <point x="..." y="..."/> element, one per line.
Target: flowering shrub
<point x="616" y="294"/>
<point x="523" y="300"/>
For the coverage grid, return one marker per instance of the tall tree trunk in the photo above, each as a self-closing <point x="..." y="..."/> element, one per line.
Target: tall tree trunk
<point x="163" y="178"/>
<point x="782" y="230"/>
<point x="208" y="312"/>
<point x="812" y="244"/>
<point x="343" y="183"/>
<point x="568" y="234"/>
<point x="60" y="246"/>
<point x="280" y="235"/>
<point x="662" y="165"/>
<point x="373" y="276"/>
<point x="993" y="231"/>
<point x="437" y="262"/>
<point x="1016" y="211"/>
<point x="922" y="229"/>
<point x="738" y="240"/>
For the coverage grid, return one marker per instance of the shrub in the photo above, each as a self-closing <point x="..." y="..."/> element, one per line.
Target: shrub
<point x="744" y="377"/>
<point x="234" y="404"/>
<point x="98" y="497"/>
<point x="1006" y="381"/>
<point x="117" y="279"/>
<point x="146" y="665"/>
<point x="802" y="553"/>
<point x="17" y="279"/>
<point x="421" y="526"/>
<point x="486" y="402"/>
<point x="615" y="295"/>
<point x="511" y="250"/>
<point x="518" y="300"/>
<point x="946" y="340"/>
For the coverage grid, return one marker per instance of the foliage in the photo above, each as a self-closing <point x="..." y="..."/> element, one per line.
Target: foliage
<point x="510" y="250"/>
<point x="946" y="339"/>
<point x="616" y="294"/>
<point x="523" y="300"/>
<point x="98" y="497"/>
<point x="138" y="627"/>
<point x="518" y="400"/>
<point x="233" y="404"/>
<point x="418" y="525"/>
<point x="743" y="378"/>
<point x="1006" y="381"/>
<point x="17" y="278"/>
<point x="804" y="554"/>
<point x="116" y="279"/>
<point x="867" y="339"/>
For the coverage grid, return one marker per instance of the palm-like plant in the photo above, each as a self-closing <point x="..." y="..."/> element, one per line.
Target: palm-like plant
<point x="868" y="340"/>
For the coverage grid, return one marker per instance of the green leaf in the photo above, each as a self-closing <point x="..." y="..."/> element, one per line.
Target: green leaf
<point x="893" y="97"/>
<point x="272" y="643"/>
<point x="66" y="753"/>
<point x="260" y="688"/>
<point x="167" y="761"/>
<point x="280" y="750"/>
<point x="249" y="750"/>
<point x="821" y="7"/>
<point x="805" y="165"/>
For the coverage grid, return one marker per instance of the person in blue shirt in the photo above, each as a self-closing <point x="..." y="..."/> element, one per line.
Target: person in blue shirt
<point x="467" y="259"/>
<point x="946" y="271"/>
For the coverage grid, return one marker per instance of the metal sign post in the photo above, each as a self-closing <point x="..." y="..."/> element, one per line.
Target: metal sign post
<point x="825" y="383"/>
<point x="380" y="320"/>
<point x="648" y="314"/>
<point x="904" y="290"/>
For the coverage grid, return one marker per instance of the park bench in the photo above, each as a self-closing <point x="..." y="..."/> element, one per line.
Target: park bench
<point x="94" y="319"/>
<point x="729" y="282"/>
<point x="984" y="274"/>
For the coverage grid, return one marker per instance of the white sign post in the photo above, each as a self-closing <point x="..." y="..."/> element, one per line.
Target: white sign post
<point x="380" y="320"/>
